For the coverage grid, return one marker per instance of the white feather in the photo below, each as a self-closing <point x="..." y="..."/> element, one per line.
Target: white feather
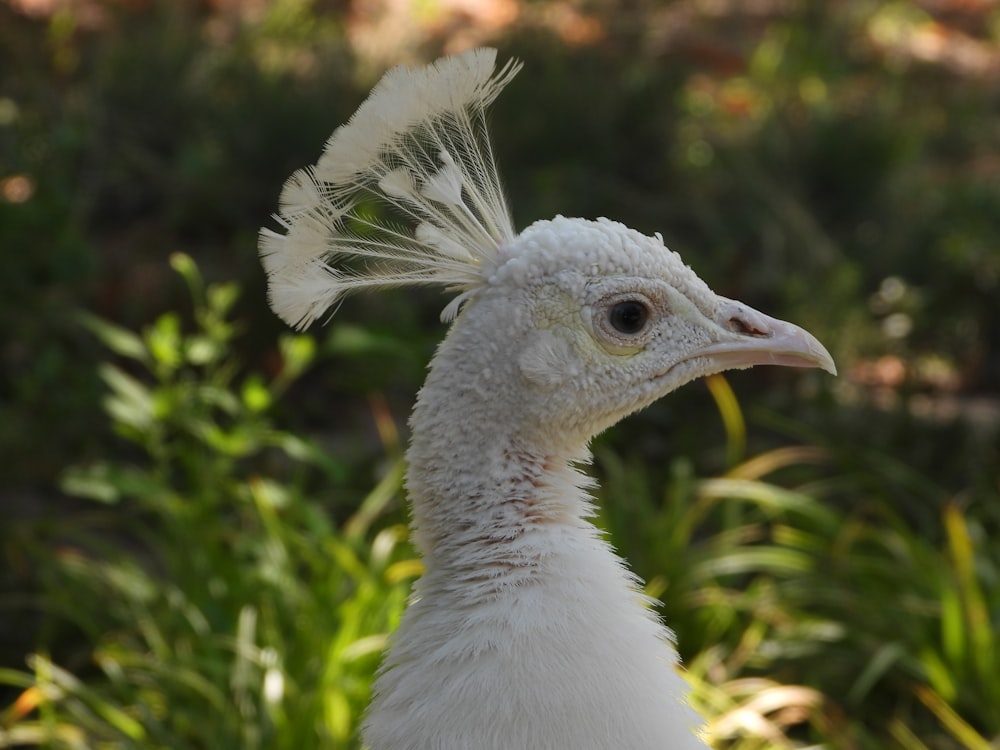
<point x="418" y="144"/>
<point x="445" y="185"/>
<point x="399" y="184"/>
<point x="300" y="194"/>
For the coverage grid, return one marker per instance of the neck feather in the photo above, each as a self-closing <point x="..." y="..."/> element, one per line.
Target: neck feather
<point x="526" y="630"/>
<point x="489" y="503"/>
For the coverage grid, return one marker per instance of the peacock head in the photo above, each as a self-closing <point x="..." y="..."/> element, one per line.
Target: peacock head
<point x="599" y="320"/>
<point x="595" y="320"/>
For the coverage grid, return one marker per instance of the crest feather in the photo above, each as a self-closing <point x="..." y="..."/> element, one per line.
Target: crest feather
<point x="418" y="144"/>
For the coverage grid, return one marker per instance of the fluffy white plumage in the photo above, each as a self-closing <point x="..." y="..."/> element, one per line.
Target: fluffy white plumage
<point x="526" y="630"/>
<point x="417" y="144"/>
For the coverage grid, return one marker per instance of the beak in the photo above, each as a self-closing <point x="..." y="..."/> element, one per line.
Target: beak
<point x="753" y="338"/>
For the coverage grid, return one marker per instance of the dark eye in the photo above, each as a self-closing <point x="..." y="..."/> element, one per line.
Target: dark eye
<point x="629" y="316"/>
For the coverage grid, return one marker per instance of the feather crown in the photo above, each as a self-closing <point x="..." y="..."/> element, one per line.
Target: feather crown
<point x="418" y="146"/>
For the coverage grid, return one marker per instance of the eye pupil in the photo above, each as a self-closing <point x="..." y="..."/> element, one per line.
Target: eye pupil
<point x="629" y="316"/>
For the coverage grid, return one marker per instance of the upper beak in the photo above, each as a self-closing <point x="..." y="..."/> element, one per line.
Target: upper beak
<point x="758" y="339"/>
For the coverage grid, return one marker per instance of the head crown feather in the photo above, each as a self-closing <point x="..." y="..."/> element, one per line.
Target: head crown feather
<point x="417" y="146"/>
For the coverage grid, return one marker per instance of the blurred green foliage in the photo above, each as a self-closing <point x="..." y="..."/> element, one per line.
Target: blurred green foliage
<point x="206" y="600"/>
<point x="235" y="616"/>
<point x="192" y="551"/>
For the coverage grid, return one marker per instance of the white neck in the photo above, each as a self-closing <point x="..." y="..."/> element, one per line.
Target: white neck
<point x="526" y="630"/>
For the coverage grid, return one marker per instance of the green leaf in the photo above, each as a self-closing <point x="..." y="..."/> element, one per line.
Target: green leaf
<point x="130" y="402"/>
<point x="350" y="340"/>
<point x="49" y="674"/>
<point x="220" y="398"/>
<point x="297" y="352"/>
<point x="109" y="483"/>
<point x="119" y="340"/>
<point x="270" y="494"/>
<point x="222" y="297"/>
<point x="958" y="727"/>
<point x="164" y="340"/>
<point x="236" y="442"/>
<point x="877" y="667"/>
<point x="256" y="397"/>
<point x="769" y="497"/>
<point x="92" y="482"/>
<point x="953" y="635"/>
<point x="732" y="417"/>
<point x="184" y="265"/>
<point x="202" y="350"/>
<point x="938" y="674"/>
<point x="753" y="560"/>
<point x="376" y="502"/>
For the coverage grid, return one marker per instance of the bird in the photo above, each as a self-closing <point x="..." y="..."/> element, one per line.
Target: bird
<point x="526" y="629"/>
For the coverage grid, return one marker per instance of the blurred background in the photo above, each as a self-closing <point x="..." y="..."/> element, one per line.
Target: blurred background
<point x="202" y="533"/>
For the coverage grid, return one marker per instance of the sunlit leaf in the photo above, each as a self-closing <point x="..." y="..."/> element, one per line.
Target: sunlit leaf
<point x="732" y="417"/>
<point x="119" y="340"/>
<point x="256" y="396"/>
<point x="201" y="350"/>
<point x="130" y="402"/>
<point x="164" y="340"/>
<point x="952" y="721"/>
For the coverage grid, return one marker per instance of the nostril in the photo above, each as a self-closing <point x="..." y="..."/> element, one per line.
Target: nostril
<point x="739" y="325"/>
